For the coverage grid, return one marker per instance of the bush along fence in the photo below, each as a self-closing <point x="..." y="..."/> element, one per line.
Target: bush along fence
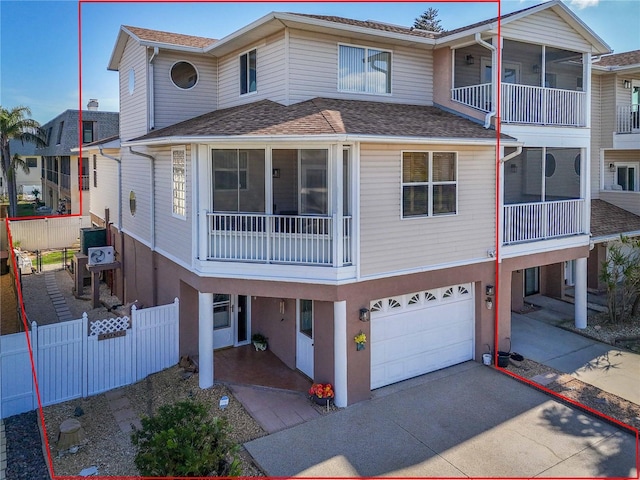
<point x="80" y="358"/>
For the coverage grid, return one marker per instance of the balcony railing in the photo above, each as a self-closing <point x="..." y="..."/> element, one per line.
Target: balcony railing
<point x="543" y="106"/>
<point x="475" y="96"/>
<point x="628" y="118"/>
<point x="85" y="182"/>
<point x="527" y="104"/>
<point x="528" y="222"/>
<point x="291" y="239"/>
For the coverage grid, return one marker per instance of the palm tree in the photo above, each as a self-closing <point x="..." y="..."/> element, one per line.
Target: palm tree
<point x="15" y="124"/>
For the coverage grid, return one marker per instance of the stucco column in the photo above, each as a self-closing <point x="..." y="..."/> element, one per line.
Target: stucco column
<point x="340" y="352"/>
<point x="205" y="339"/>
<point x="581" y="293"/>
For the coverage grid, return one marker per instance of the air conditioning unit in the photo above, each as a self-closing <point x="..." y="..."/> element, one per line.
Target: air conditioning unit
<point x="100" y="255"/>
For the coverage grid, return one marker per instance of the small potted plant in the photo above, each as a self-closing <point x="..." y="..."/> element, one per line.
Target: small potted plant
<point x="321" y="393"/>
<point x="361" y="340"/>
<point x="259" y="341"/>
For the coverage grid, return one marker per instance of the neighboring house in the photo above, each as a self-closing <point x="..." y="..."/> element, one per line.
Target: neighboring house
<point x="307" y="174"/>
<point x="26" y="151"/>
<point x="65" y="177"/>
<point x="615" y="153"/>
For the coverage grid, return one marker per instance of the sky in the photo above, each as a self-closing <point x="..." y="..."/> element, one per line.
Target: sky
<point x="39" y="40"/>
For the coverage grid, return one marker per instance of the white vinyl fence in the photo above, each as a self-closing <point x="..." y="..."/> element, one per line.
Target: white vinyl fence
<point x="79" y="358"/>
<point x="48" y="233"/>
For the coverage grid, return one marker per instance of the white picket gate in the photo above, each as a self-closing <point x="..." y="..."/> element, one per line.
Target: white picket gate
<point x="79" y="358"/>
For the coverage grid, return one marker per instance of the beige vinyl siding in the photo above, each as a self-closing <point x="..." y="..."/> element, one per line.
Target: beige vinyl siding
<point x="546" y="26"/>
<point x="270" y="74"/>
<point x="173" y="235"/>
<point x="623" y="95"/>
<point x="172" y="104"/>
<point x="313" y="70"/>
<point x="596" y="127"/>
<point x="390" y="244"/>
<point x="136" y="177"/>
<point x="133" y="108"/>
<point x="105" y="195"/>
<point x="608" y="110"/>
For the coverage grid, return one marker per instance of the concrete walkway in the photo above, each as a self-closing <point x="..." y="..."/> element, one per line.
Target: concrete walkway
<point x="535" y="336"/>
<point x="467" y="420"/>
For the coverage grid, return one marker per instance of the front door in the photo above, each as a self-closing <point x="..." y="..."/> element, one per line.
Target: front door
<point x="231" y="320"/>
<point x="304" y="337"/>
<point x="531" y="281"/>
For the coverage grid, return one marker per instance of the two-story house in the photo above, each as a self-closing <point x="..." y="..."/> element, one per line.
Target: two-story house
<point x="311" y="177"/>
<point x="65" y="178"/>
<point x="615" y="154"/>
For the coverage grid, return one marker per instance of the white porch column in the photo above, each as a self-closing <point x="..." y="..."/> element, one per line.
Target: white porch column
<point x="205" y="339"/>
<point x="581" y="293"/>
<point x="340" y="352"/>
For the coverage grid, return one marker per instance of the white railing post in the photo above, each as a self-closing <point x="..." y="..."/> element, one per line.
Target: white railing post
<point x="34" y="352"/>
<point x="336" y="235"/>
<point x="85" y="355"/>
<point x="134" y="344"/>
<point x="205" y="239"/>
<point x="176" y="327"/>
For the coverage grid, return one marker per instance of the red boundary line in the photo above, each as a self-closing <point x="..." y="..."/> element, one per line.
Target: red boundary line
<point x="497" y="261"/>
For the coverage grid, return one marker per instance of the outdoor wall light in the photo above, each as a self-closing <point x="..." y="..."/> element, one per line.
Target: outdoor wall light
<point x="469" y="59"/>
<point x="536" y="68"/>
<point x="365" y="315"/>
<point x="626" y="83"/>
<point x="489" y="303"/>
<point x="514" y="168"/>
<point x="489" y="290"/>
<point x="282" y="307"/>
<point x="612" y="167"/>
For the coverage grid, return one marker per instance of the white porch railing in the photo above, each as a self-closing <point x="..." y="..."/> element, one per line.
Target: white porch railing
<point x="293" y="239"/>
<point x="628" y="118"/>
<point x="543" y="106"/>
<point x="527" y="222"/>
<point x="475" y="96"/>
<point x="527" y="104"/>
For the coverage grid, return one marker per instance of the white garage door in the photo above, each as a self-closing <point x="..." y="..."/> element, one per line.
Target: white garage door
<point x="421" y="332"/>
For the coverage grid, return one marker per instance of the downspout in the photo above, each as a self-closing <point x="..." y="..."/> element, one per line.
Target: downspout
<point x="494" y="81"/>
<point x="152" y="113"/>
<point x="153" y="217"/>
<point x="512" y="154"/>
<point x="102" y="154"/>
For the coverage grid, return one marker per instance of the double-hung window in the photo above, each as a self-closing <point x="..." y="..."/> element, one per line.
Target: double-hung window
<point x="248" y="78"/>
<point x="429" y="184"/>
<point x="179" y="181"/>
<point x="364" y="70"/>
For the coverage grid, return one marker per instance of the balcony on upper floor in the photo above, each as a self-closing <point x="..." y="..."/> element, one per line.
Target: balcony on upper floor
<point x="544" y="196"/>
<point x="540" y="85"/>
<point x="627" y="132"/>
<point x="296" y="216"/>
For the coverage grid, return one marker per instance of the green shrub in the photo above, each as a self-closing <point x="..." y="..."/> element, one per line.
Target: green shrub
<point x="182" y="440"/>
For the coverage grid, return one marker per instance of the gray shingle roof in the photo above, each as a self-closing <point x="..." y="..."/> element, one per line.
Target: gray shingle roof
<point x="325" y="116"/>
<point x="170" y="38"/>
<point x="620" y="59"/>
<point x="607" y="219"/>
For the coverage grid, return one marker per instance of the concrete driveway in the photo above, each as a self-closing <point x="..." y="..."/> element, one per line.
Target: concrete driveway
<point x="601" y="365"/>
<point x="467" y="420"/>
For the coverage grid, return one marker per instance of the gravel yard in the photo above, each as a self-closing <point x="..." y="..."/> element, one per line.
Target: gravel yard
<point x="110" y="449"/>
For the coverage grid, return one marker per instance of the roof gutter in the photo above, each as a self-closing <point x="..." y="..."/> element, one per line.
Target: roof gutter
<point x="506" y="158"/>
<point x="614" y="236"/>
<point x="171" y="140"/>
<point x="494" y="80"/>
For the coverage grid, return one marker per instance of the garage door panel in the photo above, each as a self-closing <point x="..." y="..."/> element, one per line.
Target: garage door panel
<point x="418" y="339"/>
